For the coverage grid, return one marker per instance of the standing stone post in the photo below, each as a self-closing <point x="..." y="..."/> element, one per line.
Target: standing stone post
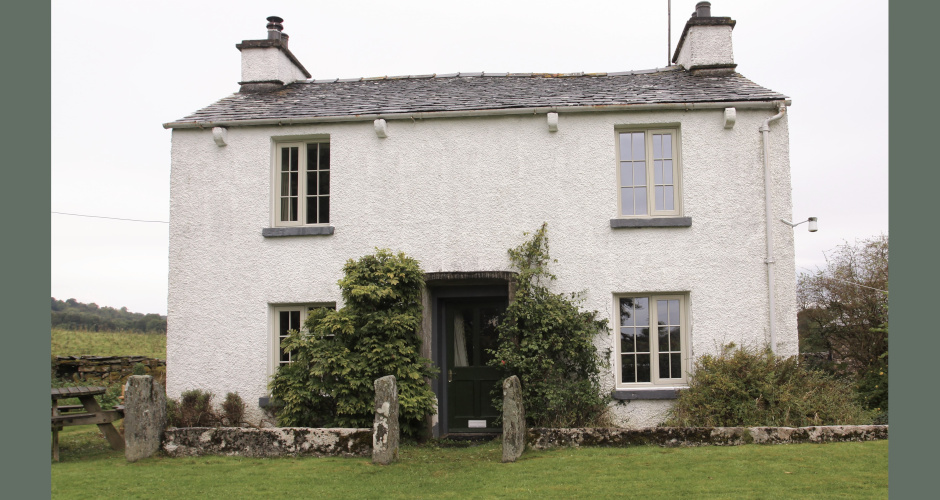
<point x="513" y="420"/>
<point x="144" y="417"/>
<point x="385" y="431"/>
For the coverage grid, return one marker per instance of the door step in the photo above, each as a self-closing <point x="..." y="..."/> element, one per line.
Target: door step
<point x="466" y="439"/>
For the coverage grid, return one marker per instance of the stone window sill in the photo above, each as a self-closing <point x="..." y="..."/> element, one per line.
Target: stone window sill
<point x="278" y="232"/>
<point x="651" y="222"/>
<point x="641" y="394"/>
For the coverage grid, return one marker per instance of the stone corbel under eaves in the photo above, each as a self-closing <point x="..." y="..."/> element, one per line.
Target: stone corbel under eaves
<point x="219" y="135"/>
<point x="381" y="128"/>
<point x="730" y="117"/>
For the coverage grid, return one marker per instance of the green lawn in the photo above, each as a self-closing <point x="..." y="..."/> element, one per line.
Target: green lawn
<point x="75" y="343"/>
<point x="89" y="469"/>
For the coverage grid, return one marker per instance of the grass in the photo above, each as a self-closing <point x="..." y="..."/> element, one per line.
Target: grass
<point x="89" y="469"/>
<point x="77" y="343"/>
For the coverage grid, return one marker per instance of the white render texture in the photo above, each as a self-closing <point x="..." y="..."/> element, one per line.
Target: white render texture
<point x="264" y="64"/>
<point x="455" y="194"/>
<point x="706" y="46"/>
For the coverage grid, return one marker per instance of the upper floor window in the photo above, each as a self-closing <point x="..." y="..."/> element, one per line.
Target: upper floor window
<point x="648" y="173"/>
<point x="302" y="184"/>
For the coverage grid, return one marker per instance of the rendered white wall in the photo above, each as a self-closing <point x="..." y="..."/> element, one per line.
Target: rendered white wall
<point x="706" y="45"/>
<point x="456" y="194"/>
<point x="268" y="63"/>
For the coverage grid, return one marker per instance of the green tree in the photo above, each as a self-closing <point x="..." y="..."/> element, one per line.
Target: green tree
<point x="341" y="353"/>
<point x="548" y="342"/>
<point x="844" y="313"/>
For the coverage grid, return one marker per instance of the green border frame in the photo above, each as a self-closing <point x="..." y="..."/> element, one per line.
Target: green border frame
<point x="914" y="271"/>
<point x="26" y="275"/>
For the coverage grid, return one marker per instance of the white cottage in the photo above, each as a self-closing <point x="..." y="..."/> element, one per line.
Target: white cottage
<point x="662" y="189"/>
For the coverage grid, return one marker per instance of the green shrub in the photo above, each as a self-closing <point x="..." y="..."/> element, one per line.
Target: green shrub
<point x="138" y="369"/>
<point x="193" y="409"/>
<point x="747" y="388"/>
<point x="233" y="409"/>
<point x="111" y="397"/>
<point x="336" y="361"/>
<point x="548" y="342"/>
<point x="873" y="388"/>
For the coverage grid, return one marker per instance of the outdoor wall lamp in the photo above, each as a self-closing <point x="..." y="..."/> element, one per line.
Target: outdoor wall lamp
<point x="813" y="226"/>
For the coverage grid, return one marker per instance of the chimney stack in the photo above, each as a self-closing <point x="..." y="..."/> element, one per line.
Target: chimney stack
<point x="705" y="45"/>
<point x="268" y="64"/>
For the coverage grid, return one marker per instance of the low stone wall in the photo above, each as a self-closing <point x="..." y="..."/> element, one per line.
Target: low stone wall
<point x="104" y="368"/>
<point x="544" y="438"/>
<point x="267" y="442"/>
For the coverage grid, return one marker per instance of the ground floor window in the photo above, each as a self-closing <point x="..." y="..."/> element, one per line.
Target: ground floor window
<point x="653" y="343"/>
<point x="288" y="318"/>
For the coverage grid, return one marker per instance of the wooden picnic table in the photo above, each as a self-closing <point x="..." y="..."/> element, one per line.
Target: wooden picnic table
<point x="87" y="413"/>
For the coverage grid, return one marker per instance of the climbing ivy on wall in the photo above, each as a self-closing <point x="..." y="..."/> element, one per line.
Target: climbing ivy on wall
<point x="548" y="342"/>
<point x="341" y="353"/>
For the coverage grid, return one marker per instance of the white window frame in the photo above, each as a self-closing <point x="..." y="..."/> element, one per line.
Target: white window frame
<point x="302" y="195"/>
<point x="274" y="336"/>
<point x="651" y="210"/>
<point x="685" y="345"/>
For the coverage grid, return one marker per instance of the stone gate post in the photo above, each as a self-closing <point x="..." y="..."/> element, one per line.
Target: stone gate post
<point x="385" y="430"/>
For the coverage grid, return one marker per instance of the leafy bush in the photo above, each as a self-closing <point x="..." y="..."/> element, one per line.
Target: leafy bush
<point x="233" y="409"/>
<point x="548" y="342"/>
<point x="337" y="359"/>
<point x="873" y="388"/>
<point x="747" y="388"/>
<point x="193" y="409"/>
<point x="111" y="397"/>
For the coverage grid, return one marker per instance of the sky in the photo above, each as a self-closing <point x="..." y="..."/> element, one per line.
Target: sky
<point x="122" y="69"/>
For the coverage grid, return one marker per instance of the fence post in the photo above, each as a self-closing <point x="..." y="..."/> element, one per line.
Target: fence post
<point x="385" y="430"/>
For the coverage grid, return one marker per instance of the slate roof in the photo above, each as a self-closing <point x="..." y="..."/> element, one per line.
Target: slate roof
<point x="478" y="91"/>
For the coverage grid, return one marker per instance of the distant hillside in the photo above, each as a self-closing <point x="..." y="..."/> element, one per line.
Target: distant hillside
<point x="74" y="315"/>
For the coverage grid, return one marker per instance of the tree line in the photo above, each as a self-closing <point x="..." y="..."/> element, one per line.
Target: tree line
<point x="74" y="315"/>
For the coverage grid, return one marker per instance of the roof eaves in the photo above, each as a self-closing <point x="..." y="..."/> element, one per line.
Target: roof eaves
<point x="757" y="103"/>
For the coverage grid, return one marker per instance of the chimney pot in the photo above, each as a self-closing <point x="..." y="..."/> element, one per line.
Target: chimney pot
<point x="275" y="27"/>
<point x="703" y="9"/>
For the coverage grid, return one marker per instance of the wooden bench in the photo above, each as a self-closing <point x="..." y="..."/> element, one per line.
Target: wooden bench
<point x="67" y="408"/>
<point x="87" y="413"/>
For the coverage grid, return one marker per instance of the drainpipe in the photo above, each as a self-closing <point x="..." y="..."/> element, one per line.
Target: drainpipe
<point x="765" y="138"/>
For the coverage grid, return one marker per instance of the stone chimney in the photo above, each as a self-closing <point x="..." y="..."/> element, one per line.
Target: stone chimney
<point x="705" y="45"/>
<point x="268" y="64"/>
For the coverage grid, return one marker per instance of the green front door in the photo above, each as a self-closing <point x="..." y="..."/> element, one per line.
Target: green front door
<point x="470" y="328"/>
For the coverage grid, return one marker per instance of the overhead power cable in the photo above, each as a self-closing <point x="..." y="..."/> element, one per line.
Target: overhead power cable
<point x="846" y="282"/>
<point x="112" y="218"/>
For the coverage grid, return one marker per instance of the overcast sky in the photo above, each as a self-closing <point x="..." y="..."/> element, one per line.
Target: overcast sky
<point x="121" y="69"/>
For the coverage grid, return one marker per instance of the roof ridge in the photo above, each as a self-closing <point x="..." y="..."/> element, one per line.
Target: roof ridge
<point x="492" y="75"/>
